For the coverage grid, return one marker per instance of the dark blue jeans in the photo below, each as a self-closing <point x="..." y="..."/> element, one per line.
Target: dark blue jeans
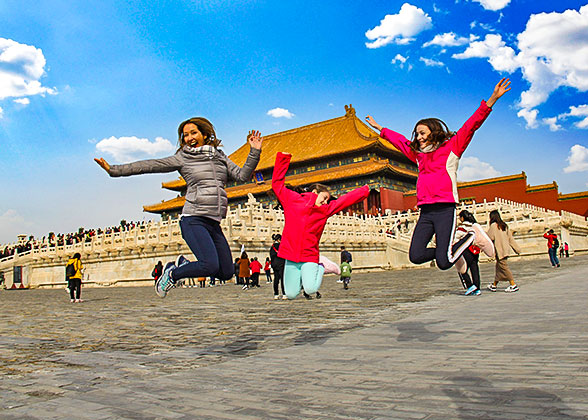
<point x="207" y="242"/>
<point x="439" y="220"/>
<point x="553" y="256"/>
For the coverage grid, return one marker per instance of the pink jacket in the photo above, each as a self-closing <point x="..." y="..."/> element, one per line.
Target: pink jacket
<point x="437" y="180"/>
<point x="305" y="221"/>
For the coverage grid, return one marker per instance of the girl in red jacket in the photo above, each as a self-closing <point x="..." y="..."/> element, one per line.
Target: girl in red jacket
<point x="437" y="151"/>
<point x="305" y="217"/>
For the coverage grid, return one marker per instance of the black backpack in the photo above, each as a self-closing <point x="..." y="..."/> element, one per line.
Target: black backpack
<point x="70" y="270"/>
<point x="555" y="243"/>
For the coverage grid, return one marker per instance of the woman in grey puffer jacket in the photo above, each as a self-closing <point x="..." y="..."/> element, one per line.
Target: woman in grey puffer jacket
<point x="206" y="170"/>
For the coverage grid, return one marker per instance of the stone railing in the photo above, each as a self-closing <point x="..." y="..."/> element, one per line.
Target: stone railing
<point x="375" y="241"/>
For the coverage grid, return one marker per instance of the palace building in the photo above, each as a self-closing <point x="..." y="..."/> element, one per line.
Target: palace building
<point x="344" y="153"/>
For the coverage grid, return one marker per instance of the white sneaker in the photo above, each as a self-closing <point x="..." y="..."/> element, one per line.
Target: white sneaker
<point x="339" y="281"/>
<point x="512" y="288"/>
<point x="284" y="297"/>
<point x="245" y="287"/>
<point x="276" y="297"/>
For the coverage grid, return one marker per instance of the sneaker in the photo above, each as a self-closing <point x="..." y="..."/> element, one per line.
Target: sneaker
<point x="491" y="287"/>
<point x="345" y="286"/>
<point x="307" y="296"/>
<point x="478" y="292"/>
<point x="276" y="297"/>
<point x="318" y="295"/>
<point x="79" y="300"/>
<point x="471" y="290"/>
<point x="339" y="281"/>
<point x="245" y="287"/>
<point x="181" y="260"/>
<point x="284" y="297"/>
<point x="165" y="283"/>
<point x="72" y="300"/>
<point x="511" y="289"/>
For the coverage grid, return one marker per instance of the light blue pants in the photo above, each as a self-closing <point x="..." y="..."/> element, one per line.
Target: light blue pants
<point x="304" y="274"/>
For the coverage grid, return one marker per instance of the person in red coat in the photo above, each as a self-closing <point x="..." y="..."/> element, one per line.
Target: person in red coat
<point x="255" y="267"/>
<point x="305" y="217"/>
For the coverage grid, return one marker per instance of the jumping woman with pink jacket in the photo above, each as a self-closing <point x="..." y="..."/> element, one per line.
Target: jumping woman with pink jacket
<point x="437" y="151"/>
<point x="305" y="218"/>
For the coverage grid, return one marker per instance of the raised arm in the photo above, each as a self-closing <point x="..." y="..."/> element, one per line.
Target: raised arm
<point x="244" y="174"/>
<point x="149" y="166"/>
<point x="396" y="139"/>
<point x="279" y="178"/>
<point x="349" y="199"/>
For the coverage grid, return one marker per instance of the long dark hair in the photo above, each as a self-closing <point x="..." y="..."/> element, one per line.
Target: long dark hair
<point x="495" y="218"/>
<point x="467" y="216"/>
<point x="76" y="256"/>
<point x="439" y="133"/>
<point x="204" y="126"/>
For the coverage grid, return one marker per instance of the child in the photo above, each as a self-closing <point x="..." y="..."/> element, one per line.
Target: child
<point x="500" y="234"/>
<point x="206" y="170"/>
<point x="268" y="270"/>
<point x="345" y="274"/>
<point x="437" y="150"/>
<point x="469" y="258"/>
<point x="305" y="217"/>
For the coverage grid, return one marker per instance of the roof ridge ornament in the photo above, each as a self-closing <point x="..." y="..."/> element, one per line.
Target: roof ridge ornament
<point x="349" y="111"/>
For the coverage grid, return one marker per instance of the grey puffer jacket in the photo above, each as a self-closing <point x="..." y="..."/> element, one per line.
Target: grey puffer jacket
<point x="206" y="171"/>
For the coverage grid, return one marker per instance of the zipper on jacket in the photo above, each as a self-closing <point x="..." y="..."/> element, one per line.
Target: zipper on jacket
<point x="218" y="197"/>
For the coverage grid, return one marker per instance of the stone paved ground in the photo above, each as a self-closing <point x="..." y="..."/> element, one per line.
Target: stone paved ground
<point x="401" y="344"/>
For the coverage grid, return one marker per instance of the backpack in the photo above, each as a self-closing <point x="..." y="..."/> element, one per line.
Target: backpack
<point x="70" y="270"/>
<point x="555" y="243"/>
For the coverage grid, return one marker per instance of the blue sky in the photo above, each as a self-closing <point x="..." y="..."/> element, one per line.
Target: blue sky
<point x="80" y="80"/>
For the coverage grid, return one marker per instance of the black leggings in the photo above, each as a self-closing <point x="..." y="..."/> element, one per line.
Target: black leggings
<point x="75" y="285"/>
<point x="471" y="260"/>
<point x="439" y="220"/>
<point x="278" y="280"/>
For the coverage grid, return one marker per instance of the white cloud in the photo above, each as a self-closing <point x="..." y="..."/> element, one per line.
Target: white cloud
<point x="549" y="51"/>
<point x="493" y="5"/>
<point x="472" y="168"/>
<point x="127" y="149"/>
<point x="9" y="222"/>
<point x="500" y="56"/>
<point x="400" y="28"/>
<point x="280" y="113"/>
<point x="552" y="123"/>
<point x="431" y="63"/>
<point x="530" y="116"/>
<point x="578" y="111"/>
<point x="21" y="68"/>
<point x="22" y="101"/>
<point x="578" y="159"/>
<point x="400" y="61"/>
<point x="449" y="39"/>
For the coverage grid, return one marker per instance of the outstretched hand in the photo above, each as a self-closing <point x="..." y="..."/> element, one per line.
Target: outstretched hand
<point x="103" y="164"/>
<point x="500" y="89"/>
<point x="370" y="120"/>
<point x="254" y="138"/>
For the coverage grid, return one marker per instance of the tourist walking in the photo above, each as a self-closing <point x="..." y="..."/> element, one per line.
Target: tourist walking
<point x="501" y="235"/>
<point x="552" y="245"/>
<point x="300" y="247"/>
<point x="278" y="266"/>
<point x="345" y="274"/>
<point x="268" y="270"/>
<point x="237" y="268"/>
<point x="567" y="249"/>
<point x="244" y="270"/>
<point x="255" y="267"/>
<point x="157" y="271"/>
<point x="206" y="170"/>
<point x="73" y="273"/>
<point x="437" y="151"/>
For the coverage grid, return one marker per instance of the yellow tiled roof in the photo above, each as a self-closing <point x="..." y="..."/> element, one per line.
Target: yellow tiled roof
<point x="543" y="187"/>
<point x="573" y="196"/>
<point x="324" y="175"/>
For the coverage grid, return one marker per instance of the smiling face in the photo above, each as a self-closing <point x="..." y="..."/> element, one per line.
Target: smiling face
<point x="321" y="198"/>
<point x="422" y="135"/>
<point x="192" y="135"/>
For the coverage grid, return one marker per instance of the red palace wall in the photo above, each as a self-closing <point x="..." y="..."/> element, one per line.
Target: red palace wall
<point x="516" y="190"/>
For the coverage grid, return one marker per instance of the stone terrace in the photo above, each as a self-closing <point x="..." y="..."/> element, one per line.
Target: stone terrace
<point x="398" y="344"/>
